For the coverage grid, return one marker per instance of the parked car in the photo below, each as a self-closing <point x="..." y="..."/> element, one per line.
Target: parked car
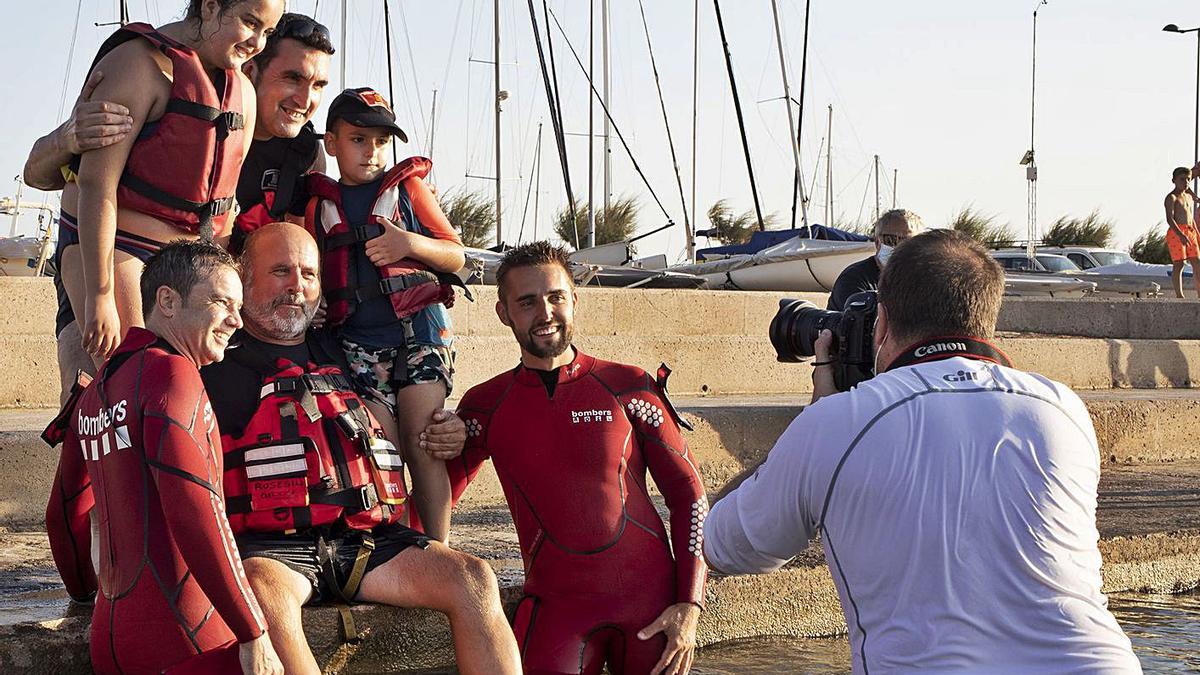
<point x="1087" y="257"/>
<point x="1041" y="263"/>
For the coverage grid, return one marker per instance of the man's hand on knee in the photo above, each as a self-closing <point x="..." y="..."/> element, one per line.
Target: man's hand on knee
<point x="443" y="439"/>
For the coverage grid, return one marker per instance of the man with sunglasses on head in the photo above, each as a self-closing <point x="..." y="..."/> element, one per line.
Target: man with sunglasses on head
<point x="289" y="77"/>
<point x="892" y="228"/>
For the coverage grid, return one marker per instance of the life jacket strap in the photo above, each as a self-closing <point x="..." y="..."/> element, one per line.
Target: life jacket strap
<point x="313" y="384"/>
<point x="386" y="286"/>
<point x="223" y="121"/>
<point x="206" y="211"/>
<point x="357" y="233"/>
<point x="354" y="500"/>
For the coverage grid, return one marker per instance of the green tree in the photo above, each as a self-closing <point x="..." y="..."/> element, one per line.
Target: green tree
<point x="614" y="224"/>
<point x="473" y="214"/>
<point x="983" y="228"/>
<point x="1151" y="247"/>
<point x="1089" y="231"/>
<point x="731" y="229"/>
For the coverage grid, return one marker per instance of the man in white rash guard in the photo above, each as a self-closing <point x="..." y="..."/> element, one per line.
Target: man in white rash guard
<point x="955" y="494"/>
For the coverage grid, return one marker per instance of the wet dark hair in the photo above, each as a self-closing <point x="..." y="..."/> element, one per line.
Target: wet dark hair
<point x="179" y="266"/>
<point x="531" y="255"/>
<point x="193" y="10"/>
<point x="317" y="38"/>
<point x="1179" y="171"/>
<point x="941" y="283"/>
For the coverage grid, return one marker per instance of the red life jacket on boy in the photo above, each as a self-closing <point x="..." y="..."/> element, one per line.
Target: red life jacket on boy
<point x="183" y="168"/>
<point x="312" y="454"/>
<point x="409" y="284"/>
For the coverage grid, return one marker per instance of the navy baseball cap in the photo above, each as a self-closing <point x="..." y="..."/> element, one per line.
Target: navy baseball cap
<point x="364" y="107"/>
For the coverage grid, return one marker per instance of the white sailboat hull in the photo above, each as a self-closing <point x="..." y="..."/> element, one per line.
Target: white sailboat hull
<point x="804" y="265"/>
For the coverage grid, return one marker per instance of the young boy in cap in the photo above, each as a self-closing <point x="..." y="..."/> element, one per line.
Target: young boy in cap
<point x="387" y="258"/>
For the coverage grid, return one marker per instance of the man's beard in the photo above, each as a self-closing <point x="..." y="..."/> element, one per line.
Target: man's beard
<point x="529" y="343"/>
<point x="270" y="322"/>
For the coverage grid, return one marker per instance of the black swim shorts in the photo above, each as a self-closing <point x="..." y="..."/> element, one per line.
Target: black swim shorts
<point x="321" y="553"/>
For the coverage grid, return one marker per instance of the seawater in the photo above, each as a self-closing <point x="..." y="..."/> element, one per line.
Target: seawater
<point x="1164" y="629"/>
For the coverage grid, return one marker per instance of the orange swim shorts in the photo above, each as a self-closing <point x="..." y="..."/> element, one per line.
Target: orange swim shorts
<point x="1183" y="249"/>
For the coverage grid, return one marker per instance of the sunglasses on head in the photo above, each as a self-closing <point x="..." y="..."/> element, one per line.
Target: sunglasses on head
<point x="300" y="27"/>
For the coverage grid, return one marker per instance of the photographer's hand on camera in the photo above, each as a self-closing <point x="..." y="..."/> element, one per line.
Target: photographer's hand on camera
<point x="823" y="366"/>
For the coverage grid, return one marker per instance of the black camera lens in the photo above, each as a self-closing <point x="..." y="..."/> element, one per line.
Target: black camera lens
<point x="796" y="326"/>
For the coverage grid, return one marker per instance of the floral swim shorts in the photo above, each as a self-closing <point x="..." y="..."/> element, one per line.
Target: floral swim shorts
<point x="374" y="369"/>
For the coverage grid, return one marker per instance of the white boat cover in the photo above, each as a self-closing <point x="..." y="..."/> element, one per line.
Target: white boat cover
<point x="797" y="248"/>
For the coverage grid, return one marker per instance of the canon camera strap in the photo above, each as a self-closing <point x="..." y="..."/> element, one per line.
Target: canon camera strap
<point x="936" y="349"/>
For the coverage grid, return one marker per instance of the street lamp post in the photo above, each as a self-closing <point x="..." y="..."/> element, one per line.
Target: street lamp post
<point x="1172" y="28"/>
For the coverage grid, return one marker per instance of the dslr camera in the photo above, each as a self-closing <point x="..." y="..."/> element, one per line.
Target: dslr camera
<point x="798" y="323"/>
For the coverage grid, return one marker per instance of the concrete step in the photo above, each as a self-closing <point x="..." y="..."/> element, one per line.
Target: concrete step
<point x="1150" y="540"/>
<point x="1132" y="426"/>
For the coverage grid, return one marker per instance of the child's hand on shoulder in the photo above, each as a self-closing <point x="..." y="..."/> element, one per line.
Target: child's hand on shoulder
<point x="394" y="244"/>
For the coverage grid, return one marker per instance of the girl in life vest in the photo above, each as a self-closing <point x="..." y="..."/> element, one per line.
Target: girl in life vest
<point x="174" y="175"/>
<point x="388" y="255"/>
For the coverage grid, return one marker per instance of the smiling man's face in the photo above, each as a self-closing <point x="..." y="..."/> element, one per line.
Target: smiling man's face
<point x="281" y="282"/>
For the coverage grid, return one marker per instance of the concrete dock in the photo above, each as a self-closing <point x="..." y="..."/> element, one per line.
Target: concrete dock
<point x="1131" y="361"/>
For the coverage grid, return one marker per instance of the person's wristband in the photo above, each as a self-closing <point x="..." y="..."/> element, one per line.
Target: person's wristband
<point x="818" y="364"/>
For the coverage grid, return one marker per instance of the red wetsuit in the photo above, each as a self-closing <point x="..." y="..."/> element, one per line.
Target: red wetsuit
<point x="598" y="566"/>
<point x="171" y="583"/>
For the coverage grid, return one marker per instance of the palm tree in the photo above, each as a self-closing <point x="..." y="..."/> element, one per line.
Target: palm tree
<point x="735" y="229"/>
<point x="1088" y="231"/>
<point x="983" y="228"/>
<point x="473" y="214"/>
<point x="614" y="224"/>
<point x="1151" y="247"/>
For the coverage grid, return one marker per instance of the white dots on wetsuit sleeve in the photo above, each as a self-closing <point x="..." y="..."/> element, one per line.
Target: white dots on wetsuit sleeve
<point x="696" y="535"/>
<point x="474" y="428"/>
<point x="646" y="412"/>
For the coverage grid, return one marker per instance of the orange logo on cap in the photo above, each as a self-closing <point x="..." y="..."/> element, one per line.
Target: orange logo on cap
<point x="373" y="98"/>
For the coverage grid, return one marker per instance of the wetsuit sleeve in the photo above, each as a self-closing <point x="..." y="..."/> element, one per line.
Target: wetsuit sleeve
<point x="465" y="467"/>
<point x="68" y="524"/>
<point x="429" y="211"/>
<point x="770" y="518"/>
<point x="673" y="468"/>
<point x="179" y="432"/>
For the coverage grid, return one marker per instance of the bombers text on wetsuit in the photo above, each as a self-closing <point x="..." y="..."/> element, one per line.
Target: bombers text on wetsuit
<point x="957" y="506"/>
<point x="144" y="449"/>
<point x="572" y="452"/>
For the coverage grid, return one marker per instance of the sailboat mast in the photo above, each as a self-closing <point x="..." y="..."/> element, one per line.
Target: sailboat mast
<point x="344" y="45"/>
<point x="591" y="220"/>
<point x="876" y="188"/>
<point x="432" y="122"/>
<point x="795" y="137"/>
<point x="737" y="105"/>
<point x="691" y="237"/>
<point x="496" y="73"/>
<point x="550" y="82"/>
<point x="798" y="189"/>
<point x="387" y="40"/>
<point x="537" y="185"/>
<point x="895" y="182"/>
<point x="607" y="105"/>
<point x="829" y="170"/>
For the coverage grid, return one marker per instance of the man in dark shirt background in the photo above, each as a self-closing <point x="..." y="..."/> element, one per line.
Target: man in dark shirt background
<point x="892" y="228"/>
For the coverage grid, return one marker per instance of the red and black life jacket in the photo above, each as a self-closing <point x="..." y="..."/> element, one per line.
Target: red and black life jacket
<point x="183" y="168"/>
<point x="410" y="285"/>
<point x="312" y="454"/>
<point x="272" y="181"/>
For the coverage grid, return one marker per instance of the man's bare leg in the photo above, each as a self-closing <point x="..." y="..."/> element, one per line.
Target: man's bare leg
<point x="462" y="587"/>
<point x="281" y="592"/>
<point x="1177" y="276"/>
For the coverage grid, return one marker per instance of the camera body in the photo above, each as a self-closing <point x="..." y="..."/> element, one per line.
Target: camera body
<point x="798" y="323"/>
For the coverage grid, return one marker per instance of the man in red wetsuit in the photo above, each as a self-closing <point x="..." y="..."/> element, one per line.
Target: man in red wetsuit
<point x="571" y="437"/>
<point x="142" y="447"/>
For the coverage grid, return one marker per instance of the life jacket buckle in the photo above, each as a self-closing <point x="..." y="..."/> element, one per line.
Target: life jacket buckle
<point x="368" y="497"/>
<point x="317" y="384"/>
<point x="226" y="122"/>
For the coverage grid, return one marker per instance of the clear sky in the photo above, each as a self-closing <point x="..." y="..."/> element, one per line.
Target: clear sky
<point x="940" y="89"/>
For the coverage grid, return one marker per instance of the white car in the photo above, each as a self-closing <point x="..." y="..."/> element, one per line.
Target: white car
<point x="1087" y="257"/>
